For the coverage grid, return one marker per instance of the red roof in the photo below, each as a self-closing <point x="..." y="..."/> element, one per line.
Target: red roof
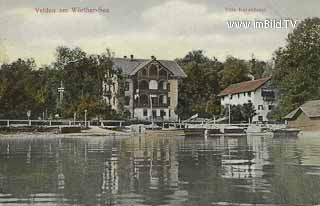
<point x="244" y="86"/>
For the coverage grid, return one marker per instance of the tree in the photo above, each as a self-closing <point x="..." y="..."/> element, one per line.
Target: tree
<point x="20" y="89"/>
<point x="240" y="113"/>
<point x="234" y="71"/>
<point x="259" y="68"/>
<point x="297" y="66"/>
<point x="248" y="111"/>
<point x="198" y="92"/>
<point x="83" y="76"/>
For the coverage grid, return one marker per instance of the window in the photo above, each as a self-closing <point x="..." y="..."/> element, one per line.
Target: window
<point x="168" y="86"/>
<point x="113" y="87"/>
<point x="163" y="85"/>
<point x="126" y="86"/>
<point x="163" y="99"/>
<point x="244" y="94"/>
<point x="260" y="118"/>
<point x="153" y="71"/>
<point x="270" y="107"/>
<point x="249" y="94"/>
<point x="154" y="113"/>
<point x="169" y="113"/>
<point x="162" y="113"/>
<point x="168" y="101"/>
<point x="153" y="84"/>
<point x="144" y="100"/>
<point x="231" y="96"/>
<point x="238" y="95"/>
<point x="260" y="107"/>
<point x="145" y="113"/>
<point x="143" y="84"/>
<point x="126" y="100"/>
<point x="154" y="101"/>
<point x="144" y="72"/>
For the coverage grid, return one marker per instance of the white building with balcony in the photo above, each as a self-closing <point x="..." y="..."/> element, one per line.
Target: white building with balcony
<point x="258" y="92"/>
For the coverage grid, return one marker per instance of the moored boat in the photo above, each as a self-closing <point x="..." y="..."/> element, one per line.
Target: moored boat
<point x="287" y="132"/>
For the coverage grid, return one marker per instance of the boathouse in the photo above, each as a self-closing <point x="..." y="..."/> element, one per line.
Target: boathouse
<point x="306" y="117"/>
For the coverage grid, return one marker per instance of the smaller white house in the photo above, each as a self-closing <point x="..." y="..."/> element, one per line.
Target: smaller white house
<point x="258" y="92"/>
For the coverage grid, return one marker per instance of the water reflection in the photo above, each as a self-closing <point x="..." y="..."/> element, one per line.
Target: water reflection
<point x="159" y="170"/>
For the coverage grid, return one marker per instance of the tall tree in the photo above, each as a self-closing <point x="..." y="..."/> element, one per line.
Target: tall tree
<point x="234" y="71"/>
<point x="83" y="76"/>
<point x="198" y="92"/>
<point x="297" y="66"/>
<point x="20" y="89"/>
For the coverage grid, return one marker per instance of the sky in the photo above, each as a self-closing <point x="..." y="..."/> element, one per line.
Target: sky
<point x="167" y="29"/>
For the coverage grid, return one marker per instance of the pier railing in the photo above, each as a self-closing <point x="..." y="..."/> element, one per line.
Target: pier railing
<point x="53" y="123"/>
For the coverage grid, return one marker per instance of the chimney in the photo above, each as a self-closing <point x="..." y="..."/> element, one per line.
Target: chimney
<point x="124" y="57"/>
<point x="131" y="57"/>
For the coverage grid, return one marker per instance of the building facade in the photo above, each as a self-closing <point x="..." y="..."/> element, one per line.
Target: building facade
<point x="150" y="88"/>
<point x="259" y="92"/>
<point x="306" y="117"/>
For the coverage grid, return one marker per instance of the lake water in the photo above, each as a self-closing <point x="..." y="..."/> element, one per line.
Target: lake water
<point x="39" y="169"/>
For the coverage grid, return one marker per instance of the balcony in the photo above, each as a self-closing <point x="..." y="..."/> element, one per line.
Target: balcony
<point x="268" y="95"/>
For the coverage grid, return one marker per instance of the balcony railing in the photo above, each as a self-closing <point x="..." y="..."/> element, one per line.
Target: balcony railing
<point x="268" y="95"/>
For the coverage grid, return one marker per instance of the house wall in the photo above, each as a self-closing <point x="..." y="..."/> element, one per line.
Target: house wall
<point x="255" y="98"/>
<point x="258" y="100"/>
<point x="129" y="93"/>
<point x="173" y="94"/>
<point x="137" y="109"/>
<point x="139" y="113"/>
<point x="113" y="89"/>
<point x="305" y="123"/>
<point x="236" y="99"/>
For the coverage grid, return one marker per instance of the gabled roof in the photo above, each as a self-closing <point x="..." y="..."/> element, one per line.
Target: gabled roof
<point x="310" y="109"/>
<point x="246" y="86"/>
<point x="130" y="67"/>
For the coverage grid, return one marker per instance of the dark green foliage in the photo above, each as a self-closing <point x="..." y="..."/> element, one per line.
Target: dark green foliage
<point x="234" y="71"/>
<point x="23" y="87"/>
<point x="297" y="66"/>
<point x="260" y="69"/>
<point x="83" y="76"/>
<point x="239" y="113"/>
<point x="206" y="78"/>
<point x="198" y="92"/>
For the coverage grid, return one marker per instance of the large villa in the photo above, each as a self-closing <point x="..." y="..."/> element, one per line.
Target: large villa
<point x="150" y="88"/>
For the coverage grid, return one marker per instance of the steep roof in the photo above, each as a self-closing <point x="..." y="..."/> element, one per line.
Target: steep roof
<point x="310" y="109"/>
<point x="130" y="67"/>
<point x="246" y="86"/>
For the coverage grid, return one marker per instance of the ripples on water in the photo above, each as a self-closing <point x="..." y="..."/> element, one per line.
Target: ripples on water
<point x="158" y="170"/>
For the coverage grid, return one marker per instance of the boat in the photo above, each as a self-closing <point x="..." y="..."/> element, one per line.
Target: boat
<point x="286" y="132"/>
<point x="234" y="130"/>
<point x="69" y="129"/>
